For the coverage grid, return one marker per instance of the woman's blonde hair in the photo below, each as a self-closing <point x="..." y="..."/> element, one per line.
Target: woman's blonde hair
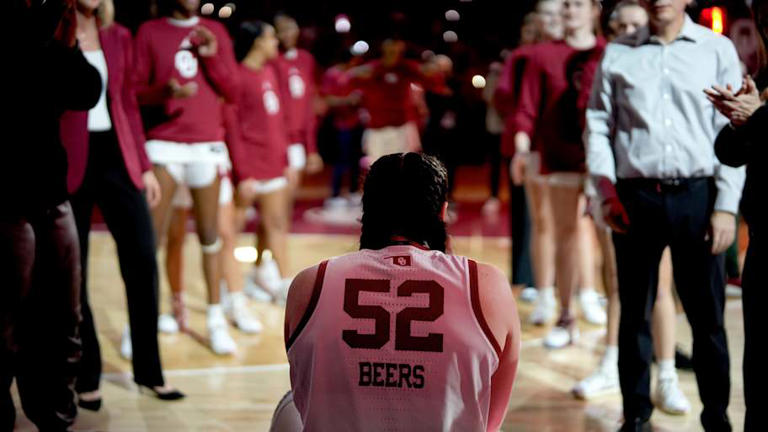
<point x="105" y="13"/>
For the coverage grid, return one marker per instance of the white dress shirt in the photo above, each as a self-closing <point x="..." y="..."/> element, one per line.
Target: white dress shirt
<point x="648" y="116"/>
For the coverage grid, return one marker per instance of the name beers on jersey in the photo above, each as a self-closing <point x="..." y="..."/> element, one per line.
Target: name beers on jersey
<point x="397" y="375"/>
<point x="394" y="375"/>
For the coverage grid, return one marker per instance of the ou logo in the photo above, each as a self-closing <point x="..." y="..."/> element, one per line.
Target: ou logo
<point x="296" y="85"/>
<point x="391" y="78"/>
<point x="271" y="102"/>
<point x="186" y="64"/>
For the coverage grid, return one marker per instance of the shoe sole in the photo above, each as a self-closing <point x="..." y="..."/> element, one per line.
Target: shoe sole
<point x="595" y="395"/>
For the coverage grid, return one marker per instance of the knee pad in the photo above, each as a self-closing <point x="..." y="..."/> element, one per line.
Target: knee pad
<point x="212" y="248"/>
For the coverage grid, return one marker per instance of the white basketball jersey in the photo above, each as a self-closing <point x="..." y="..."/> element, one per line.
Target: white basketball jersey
<point x="394" y="340"/>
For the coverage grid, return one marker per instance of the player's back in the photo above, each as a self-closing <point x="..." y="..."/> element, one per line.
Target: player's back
<point x="394" y="340"/>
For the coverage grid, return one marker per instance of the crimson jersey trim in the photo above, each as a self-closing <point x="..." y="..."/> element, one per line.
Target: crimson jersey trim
<point x="312" y="304"/>
<point x="474" y="294"/>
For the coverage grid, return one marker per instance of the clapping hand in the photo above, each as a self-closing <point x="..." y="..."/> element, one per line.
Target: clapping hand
<point x="738" y="106"/>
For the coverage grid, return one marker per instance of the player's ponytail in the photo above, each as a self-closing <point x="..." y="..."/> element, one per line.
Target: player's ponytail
<point x="403" y="195"/>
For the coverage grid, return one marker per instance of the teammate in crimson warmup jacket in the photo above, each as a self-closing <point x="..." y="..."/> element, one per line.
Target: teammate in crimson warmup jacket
<point x="529" y="192"/>
<point x="256" y="127"/>
<point x="388" y="98"/>
<point x="400" y="335"/>
<point x="296" y="72"/>
<point x="505" y="100"/>
<point x="344" y="108"/>
<point x="184" y="67"/>
<point x="555" y="90"/>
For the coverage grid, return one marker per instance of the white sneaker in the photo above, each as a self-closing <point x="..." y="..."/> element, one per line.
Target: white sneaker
<point x="267" y="278"/>
<point x="221" y="342"/>
<point x="544" y="309"/>
<point x="605" y="380"/>
<point x="238" y="313"/>
<point x="561" y="337"/>
<point x="491" y="206"/>
<point x="256" y="292"/>
<point x="669" y="398"/>
<point x="529" y="295"/>
<point x="335" y="203"/>
<point x="126" y="348"/>
<point x="355" y="199"/>
<point x="591" y="309"/>
<point x="167" y="324"/>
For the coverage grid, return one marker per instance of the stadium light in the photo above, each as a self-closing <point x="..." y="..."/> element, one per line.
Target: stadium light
<point x="342" y="24"/>
<point x="359" y="48"/>
<point x="714" y="18"/>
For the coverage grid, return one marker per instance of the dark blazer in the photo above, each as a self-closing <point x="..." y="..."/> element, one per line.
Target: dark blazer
<point x="117" y="44"/>
<point x="748" y="145"/>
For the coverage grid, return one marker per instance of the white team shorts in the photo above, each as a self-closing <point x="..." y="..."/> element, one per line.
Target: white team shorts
<point x="297" y="156"/>
<point x="182" y="198"/>
<point x="261" y="187"/>
<point x="195" y="165"/>
<point x="573" y="180"/>
<point x="391" y="139"/>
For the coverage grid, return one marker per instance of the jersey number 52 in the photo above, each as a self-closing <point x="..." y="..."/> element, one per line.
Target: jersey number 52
<point x="404" y="340"/>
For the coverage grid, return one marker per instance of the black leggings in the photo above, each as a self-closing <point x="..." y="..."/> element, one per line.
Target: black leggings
<point x="125" y="211"/>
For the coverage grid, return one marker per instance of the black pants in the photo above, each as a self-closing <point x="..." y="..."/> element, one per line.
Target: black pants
<point x="678" y="217"/>
<point x="350" y="151"/>
<point x="755" y="299"/>
<point x="39" y="314"/>
<point x="520" y="231"/>
<point x="126" y="214"/>
<point x="494" y="159"/>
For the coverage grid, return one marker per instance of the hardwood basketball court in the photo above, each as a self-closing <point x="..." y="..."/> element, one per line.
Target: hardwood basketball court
<point x="239" y="393"/>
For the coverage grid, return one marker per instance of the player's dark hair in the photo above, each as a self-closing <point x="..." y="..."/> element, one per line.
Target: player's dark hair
<point x="403" y="195"/>
<point x="246" y="35"/>
<point x="283" y="15"/>
<point x="760" y="17"/>
<point x="165" y="8"/>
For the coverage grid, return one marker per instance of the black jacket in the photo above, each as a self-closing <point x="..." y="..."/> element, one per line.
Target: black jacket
<point x="41" y="79"/>
<point x="748" y="145"/>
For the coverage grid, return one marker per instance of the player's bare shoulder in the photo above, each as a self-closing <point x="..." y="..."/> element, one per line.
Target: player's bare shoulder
<point x="497" y="301"/>
<point x="299" y="296"/>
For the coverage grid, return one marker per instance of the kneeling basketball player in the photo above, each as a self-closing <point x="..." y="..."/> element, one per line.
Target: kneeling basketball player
<point x="400" y="336"/>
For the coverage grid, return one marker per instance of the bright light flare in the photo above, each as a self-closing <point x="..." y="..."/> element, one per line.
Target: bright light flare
<point x="246" y="254"/>
<point x="342" y="24"/>
<point x="225" y="12"/>
<point x="359" y="48"/>
<point x="478" y="81"/>
<point x="450" y="36"/>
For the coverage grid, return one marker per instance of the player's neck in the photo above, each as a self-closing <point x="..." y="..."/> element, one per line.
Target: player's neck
<point x="85" y="20"/>
<point x="255" y="60"/>
<point x="581" y="38"/>
<point x="397" y="240"/>
<point x="182" y="15"/>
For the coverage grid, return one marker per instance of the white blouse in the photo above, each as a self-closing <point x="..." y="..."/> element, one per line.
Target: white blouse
<point x="98" y="116"/>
